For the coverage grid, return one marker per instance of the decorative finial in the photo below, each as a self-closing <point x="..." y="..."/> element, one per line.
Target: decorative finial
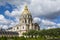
<point x="25" y="11"/>
<point x="25" y="7"/>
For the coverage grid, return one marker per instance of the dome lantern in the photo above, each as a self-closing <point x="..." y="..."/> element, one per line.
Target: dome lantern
<point x="26" y="11"/>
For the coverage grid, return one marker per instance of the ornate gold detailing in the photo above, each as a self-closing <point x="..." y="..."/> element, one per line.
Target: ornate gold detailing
<point x="25" y="11"/>
<point x="25" y="8"/>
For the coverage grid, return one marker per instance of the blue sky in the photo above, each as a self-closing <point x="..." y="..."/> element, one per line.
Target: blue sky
<point x="45" y="12"/>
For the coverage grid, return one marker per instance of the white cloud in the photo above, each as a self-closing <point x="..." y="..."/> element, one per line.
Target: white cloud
<point x="5" y="23"/>
<point x="51" y="27"/>
<point x="44" y="23"/>
<point x="58" y="25"/>
<point x="43" y="7"/>
<point x="14" y="13"/>
<point x="36" y="20"/>
<point x="37" y="7"/>
<point x="3" y="20"/>
<point x="1" y="17"/>
<point x="47" y="22"/>
<point x="5" y="27"/>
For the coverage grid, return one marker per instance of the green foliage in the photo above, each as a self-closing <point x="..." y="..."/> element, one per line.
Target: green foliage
<point x="22" y="38"/>
<point x="50" y="34"/>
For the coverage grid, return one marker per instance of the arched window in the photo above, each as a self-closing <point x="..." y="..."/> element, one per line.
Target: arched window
<point x="17" y="28"/>
<point x="23" y="27"/>
<point x="29" y="16"/>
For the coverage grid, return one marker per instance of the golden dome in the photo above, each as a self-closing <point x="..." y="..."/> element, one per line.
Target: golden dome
<point x="25" y="11"/>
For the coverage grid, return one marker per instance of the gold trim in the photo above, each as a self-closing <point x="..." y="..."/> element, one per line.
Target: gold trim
<point x="25" y="11"/>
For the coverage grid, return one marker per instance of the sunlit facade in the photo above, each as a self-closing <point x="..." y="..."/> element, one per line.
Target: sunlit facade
<point x="25" y="23"/>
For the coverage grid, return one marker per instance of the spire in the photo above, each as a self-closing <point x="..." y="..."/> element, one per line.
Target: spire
<point x="25" y="7"/>
<point x="25" y="11"/>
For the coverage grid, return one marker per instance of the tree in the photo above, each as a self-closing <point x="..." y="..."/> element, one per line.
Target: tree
<point x="31" y="33"/>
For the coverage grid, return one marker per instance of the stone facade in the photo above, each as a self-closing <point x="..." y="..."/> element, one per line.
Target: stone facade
<point x="26" y="23"/>
<point x="4" y="33"/>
